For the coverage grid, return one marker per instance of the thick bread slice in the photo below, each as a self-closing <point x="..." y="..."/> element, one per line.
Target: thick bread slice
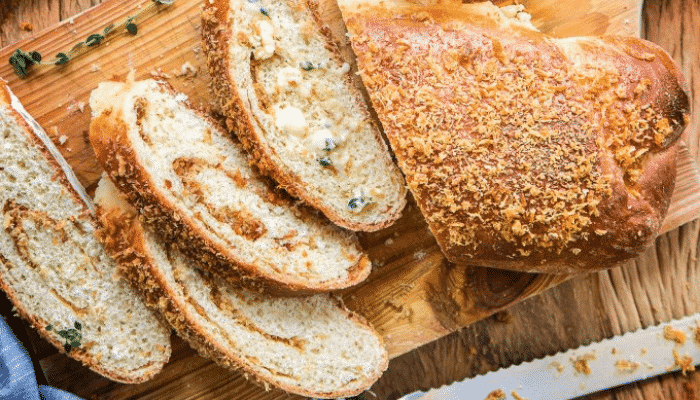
<point x="289" y="97"/>
<point x="186" y="175"/>
<point x="312" y="346"/>
<point x="532" y="153"/>
<point x="54" y="269"/>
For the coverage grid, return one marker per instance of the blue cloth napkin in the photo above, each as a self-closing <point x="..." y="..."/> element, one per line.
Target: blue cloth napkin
<point x="17" y="379"/>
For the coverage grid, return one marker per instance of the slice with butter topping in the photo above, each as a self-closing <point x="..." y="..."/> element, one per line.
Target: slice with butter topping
<point x="289" y="97"/>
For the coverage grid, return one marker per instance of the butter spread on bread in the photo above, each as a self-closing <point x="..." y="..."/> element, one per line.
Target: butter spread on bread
<point x="311" y="346"/>
<point x="53" y="268"/>
<point x="183" y="172"/>
<point x="524" y="151"/>
<point x="289" y="97"/>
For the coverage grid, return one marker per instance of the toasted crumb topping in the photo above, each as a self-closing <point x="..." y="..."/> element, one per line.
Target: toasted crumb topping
<point x="581" y="363"/>
<point x="675" y="335"/>
<point x="505" y="137"/>
<point x="685" y="363"/>
<point x="516" y="396"/>
<point x="497" y="394"/>
<point x="626" y="366"/>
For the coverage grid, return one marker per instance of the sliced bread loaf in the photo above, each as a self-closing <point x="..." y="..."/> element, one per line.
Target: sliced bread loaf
<point x="54" y="269"/>
<point x="289" y="97"/>
<point x="185" y="174"/>
<point x="311" y="346"/>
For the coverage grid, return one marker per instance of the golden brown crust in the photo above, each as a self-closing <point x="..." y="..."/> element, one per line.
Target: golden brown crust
<point x="216" y="38"/>
<point x="525" y="152"/>
<point x="113" y="149"/>
<point x="125" y="239"/>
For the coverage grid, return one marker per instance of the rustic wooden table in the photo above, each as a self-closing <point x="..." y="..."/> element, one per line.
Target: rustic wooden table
<point x="661" y="284"/>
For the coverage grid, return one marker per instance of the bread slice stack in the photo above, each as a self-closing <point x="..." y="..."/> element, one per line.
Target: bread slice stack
<point x="53" y="268"/>
<point x="310" y="346"/>
<point x="185" y="175"/>
<point x="523" y="151"/>
<point x="289" y="97"/>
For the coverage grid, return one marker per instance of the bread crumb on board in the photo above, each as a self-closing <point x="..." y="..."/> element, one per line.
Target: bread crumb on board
<point x="685" y="363"/>
<point x="558" y="366"/>
<point x="26" y="26"/>
<point x="581" y="363"/>
<point x="675" y="335"/>
<point x="497" y="394"/>
<point x="516" y="396"/>
<point x="626" y="366"/>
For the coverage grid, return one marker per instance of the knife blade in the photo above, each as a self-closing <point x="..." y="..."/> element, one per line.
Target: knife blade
<point x="633" y="356"/>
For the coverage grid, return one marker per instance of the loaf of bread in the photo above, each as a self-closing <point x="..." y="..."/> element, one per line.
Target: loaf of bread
<point x="184" y="174"/>
<point x="524" y="152"/>
<point x="53" y="268"/>
<point x="312" y="346"/>
<point x="289" y="97"/>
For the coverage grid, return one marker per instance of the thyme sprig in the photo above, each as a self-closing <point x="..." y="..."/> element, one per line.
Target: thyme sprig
<point x="73" y="336"/>
<point x="21" y="61"/>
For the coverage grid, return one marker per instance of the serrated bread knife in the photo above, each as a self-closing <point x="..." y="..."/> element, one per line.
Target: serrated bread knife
<point x="631" y="357"/>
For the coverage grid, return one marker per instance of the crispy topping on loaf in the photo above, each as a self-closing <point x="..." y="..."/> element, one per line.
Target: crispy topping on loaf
<point x="512" y="141"/>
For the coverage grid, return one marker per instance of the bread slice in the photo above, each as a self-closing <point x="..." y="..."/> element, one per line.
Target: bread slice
<point x="312" y="346"/>
<point x="544" y="155"/>
<point x="289" y="97"/>
<point x="53" y="268"/>
<point x="186" y="175"/>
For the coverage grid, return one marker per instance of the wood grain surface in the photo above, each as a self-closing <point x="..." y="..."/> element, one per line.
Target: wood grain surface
<point x="662" y="284"/>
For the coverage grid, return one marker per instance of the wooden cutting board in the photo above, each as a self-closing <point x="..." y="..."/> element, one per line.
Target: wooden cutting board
<point x="413" y="296"/>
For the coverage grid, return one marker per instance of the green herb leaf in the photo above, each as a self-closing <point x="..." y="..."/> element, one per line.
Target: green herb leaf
<point x="324" y="161"/>
<point x="263" y="11"/>
<point x="49" y="327"/>
<point x="75" y="343"/>
<point x="306" y="66"/>
<point x="131" y="27"/>
<point x="94" y="39"/>
<point x="67" y="347"/>
<point x="61" y="58"/>
<point x="77" y="325"/>
<point x="35" y="56"/>
<point x="329" y="144"/>
<point x="354" y="203"/>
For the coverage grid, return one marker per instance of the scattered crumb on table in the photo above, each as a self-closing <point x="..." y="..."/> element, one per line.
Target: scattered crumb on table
<point x="685" y="363"/>
<point x="614" y="350"/>
<point x="644" y="351"/>
<point x="626" y="366"/>
<point x="389" y="242"/>
<point x="675" y="335"/>
<point x="497" y="394"/>
<point x="581" y="363"/>
<point x="516" y="396"/>
<point x="558" y="366"/>
<point x="26" y="26"/>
